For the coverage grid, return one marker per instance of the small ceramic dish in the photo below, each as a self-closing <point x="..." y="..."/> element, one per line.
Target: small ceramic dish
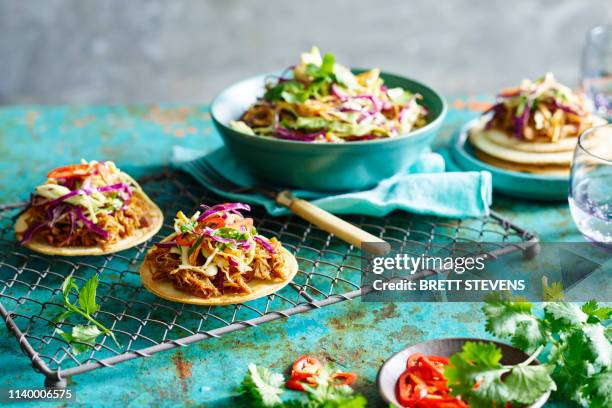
<point x="396" y="364"/>
<point x="323" y="166"/>
<point x="514" y="183"/>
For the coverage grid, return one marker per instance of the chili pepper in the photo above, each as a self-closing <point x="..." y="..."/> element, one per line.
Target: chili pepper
<point x="298" y="385"/>
<point x="214" y="222"/>
<point x="305" y="366"/>
<point x="72" y="170"/>
<point x="422" y="384"/>
<point x="342" y="378"/>
<point x="183" y="240"/>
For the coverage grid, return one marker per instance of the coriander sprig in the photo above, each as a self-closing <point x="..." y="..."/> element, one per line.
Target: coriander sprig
<point x="577" y="340"/>
<point x="477" y="375"/>
<point x="82" y="336"/>
<point x="263" y="389"/>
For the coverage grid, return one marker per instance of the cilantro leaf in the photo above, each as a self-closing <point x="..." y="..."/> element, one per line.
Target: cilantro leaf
<point x="527" y="383"/>
<point x="87" y="296"/>
<point x="514" y="321"/>
<point x="599" y="345"/>
<point x="189" y="225"/>
<point x="231" y="233"/>
<point x="477" y="363"/>
<point x="82" y="337"/>
<point x="578" y="340"/>
<point x="67" y="286"/>
<point x="263" y="386"/>
<point x="326" y="394"/>
<point x="595" y="312"/>
<point x="564" y="315"/>
<point x="477" y="375"/>
<point x="600" y="390"/>
<point x="290" y="91"/>
<point x="327" y="65"/>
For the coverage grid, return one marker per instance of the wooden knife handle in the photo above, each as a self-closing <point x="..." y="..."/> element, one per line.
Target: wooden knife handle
<point x="330" y="223"/>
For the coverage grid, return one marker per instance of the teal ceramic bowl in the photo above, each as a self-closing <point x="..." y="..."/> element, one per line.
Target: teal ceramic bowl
<point x="513" y="183"/>
<point x="323" y="166"/>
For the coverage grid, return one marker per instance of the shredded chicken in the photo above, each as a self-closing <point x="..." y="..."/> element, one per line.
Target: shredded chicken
<point x="264" y="266"/>
<point x="120" y="224"/>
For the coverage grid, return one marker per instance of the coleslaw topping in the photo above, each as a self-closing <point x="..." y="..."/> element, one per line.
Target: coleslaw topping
<point x="319" y="100"/>
<point x="216" y="250"/>
<point x="91" y="198"/>
<point x="543" y="110"/>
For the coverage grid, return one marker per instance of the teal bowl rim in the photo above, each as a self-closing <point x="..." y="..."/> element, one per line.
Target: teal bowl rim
<point x="430" y="126"/>
<point x="459" y="141"/>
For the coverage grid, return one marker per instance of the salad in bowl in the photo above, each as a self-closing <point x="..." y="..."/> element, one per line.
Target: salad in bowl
<point x="320" y="126"/>
<point x="319" y="100"/>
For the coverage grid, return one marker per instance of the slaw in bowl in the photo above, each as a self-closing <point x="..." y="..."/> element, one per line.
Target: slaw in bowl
<point x="356" y="165"/>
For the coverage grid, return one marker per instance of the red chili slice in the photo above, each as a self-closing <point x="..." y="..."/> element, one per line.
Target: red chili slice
<point x="305" y="366"/>
<point x="342" y="378"/>
<point x="72" y="170"/>
<point x="298" y="385"/>
<point x="214" y="222"/>
<point x="184" y="240"/>
<point x="422" y="384"/>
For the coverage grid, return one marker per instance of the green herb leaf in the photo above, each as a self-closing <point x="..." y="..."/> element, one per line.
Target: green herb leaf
<point x="578" y="339"/>
<point x="595" y="312"/>
<point x="190" y="225"/>
<point x="231" y="233"/>
<point x="87" y="296"/>
<point x="68" y="285"/>
<point x="61" y="316"/>
<point x="564" y="315"/>
<point x="325" y="394"/>
<point x="290" y="91"/>
<point x="599" y="345"/>
<point x="263" y="386"/>
<point x="514" y="321"/>
<point x="477" y="363"/>
<point x="526" y="384"/>
<point x="82" y="338"/>
<point x="86" y="307"/>
<point x="327" y="65"/>
<point x="477" y="375"/>
<point x="600" y="390"/>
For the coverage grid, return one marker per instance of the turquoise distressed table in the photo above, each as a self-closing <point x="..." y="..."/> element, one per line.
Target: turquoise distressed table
<point x="355" y="335"/>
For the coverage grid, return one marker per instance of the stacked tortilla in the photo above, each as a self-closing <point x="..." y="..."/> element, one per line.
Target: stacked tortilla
<point x="503" y="150"/>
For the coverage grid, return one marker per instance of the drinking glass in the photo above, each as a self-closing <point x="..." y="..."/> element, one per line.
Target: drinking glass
<point x="590" y="194"/>
<point x="597" y="70"/>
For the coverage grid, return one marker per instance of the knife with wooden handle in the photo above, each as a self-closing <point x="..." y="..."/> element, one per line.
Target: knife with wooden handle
<point x="330" y="223"/>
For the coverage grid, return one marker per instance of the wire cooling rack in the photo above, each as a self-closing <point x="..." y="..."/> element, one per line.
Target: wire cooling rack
<point x="329" y="272"/>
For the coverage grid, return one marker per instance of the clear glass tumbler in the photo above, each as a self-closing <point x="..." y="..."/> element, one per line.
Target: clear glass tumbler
<point x="596" y="70"/>
<point x="590" y="194"/>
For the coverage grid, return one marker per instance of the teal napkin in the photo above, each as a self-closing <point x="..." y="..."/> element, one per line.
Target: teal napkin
<point x="424" y="189"/>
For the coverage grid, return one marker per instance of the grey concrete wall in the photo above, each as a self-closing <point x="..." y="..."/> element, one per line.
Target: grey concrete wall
<point x="115" y="51"/>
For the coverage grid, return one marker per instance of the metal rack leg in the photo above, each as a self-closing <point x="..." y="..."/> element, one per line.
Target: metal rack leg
<point x="54" y="382"/>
